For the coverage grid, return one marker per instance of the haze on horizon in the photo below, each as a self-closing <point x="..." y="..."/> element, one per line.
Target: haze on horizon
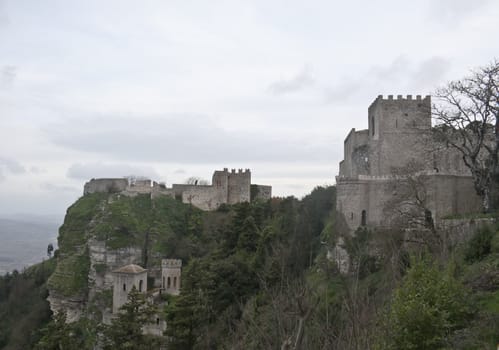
<point x="176" y="89"/>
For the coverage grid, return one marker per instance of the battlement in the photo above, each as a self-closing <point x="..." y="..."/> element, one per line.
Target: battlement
<point x="226" y="188"/>
<point x="399" y="146"/>
<point x="401" y="99"/>
<point x="171" y="263"/>
<point x="239" y="171"/>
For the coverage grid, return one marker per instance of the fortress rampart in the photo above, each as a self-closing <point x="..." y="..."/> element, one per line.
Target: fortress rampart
<point x="228" y="187"/>
<point x="399" y="144"/>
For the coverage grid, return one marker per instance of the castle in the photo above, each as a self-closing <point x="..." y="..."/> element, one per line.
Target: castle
<point x="398" y="144"/>
<point x="226" y="188"/>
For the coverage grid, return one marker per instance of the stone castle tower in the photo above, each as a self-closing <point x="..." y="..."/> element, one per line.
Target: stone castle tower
<point x="399" y="133"/>
<point x="125" y="278"/>
<point x="171" y="270"/>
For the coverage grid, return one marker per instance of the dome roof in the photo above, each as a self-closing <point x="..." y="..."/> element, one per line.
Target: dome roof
<point x="132" y="268"/>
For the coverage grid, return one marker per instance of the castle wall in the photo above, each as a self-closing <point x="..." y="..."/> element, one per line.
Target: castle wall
<point x="203" y="197"/>
<point x="105" y="185"/>
<point x="400" y="134"/>
<point x="356" y="153"/>
<point x="220" y="181"/>
<point x="380" y="191"/>
<point x="448" y="160"/>
<point x="261" y="192"/>
<point x="453" y="195"/>
<point x="351" y="200"/>
<point x="140" y="186"/>
<point x="239" y="186"/>
<point x="159" y="189"/>
<point x="178" y="189"/>
<point x="398" y="115"/>
<point x="227" y="187"/>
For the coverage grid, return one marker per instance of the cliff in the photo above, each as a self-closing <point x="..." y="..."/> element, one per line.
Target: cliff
<point x="102" y="232"/>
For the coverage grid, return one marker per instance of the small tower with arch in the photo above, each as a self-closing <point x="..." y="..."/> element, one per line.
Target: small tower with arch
<point x="124" y="279"/>
<point x="171" y="270"/>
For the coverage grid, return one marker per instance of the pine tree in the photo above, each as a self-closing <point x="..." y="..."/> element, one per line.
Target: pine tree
<point x="125" y="332"/>
<point x="59" y="335"/>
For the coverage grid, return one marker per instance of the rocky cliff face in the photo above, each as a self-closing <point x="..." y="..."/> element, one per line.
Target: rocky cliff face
<point x="102" y="232"/>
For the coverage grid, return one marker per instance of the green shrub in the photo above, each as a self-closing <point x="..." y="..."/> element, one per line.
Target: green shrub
<point x="479" y="246"/>
<point x="494" y="243"/>
<point x="428" y="307"/>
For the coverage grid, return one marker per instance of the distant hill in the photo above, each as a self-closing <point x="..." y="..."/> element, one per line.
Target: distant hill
<point x="24" y="241"/>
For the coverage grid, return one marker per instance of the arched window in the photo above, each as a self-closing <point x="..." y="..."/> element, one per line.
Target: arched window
<point x="363" y="221"/>
<point x="174" y="282"/>
<point x="372" y="124"/>
<point x="124" y="287"/>
<point x="168" y="282"/>
<point x="140" y="286"/>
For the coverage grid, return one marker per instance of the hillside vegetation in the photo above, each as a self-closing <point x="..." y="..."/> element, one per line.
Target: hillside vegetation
<point x="23" y="308"/>
<point x="257" y="276"/>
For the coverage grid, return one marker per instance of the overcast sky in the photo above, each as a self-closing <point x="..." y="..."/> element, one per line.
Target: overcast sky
<point x="173" y="89"/>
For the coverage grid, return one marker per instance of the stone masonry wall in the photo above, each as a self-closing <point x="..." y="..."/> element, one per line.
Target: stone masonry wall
<point x="202" y="197"/>
<point x="123" y="284"/>
<point x="171" y="270"/>
<point x="262" y="192"/>
<point x="239" y="186"/>
<point x="226" y="188"/>
<point x="400" y="134"/>
<point x="105" y="185"/>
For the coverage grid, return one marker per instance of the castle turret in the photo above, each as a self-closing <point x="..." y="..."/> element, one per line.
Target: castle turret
<point x="239" y="185"/>
<point x="397" y="131"/>
<point x="399" y="115"/>
<point x="124" y="279"/>
<point x="171" y="270"/>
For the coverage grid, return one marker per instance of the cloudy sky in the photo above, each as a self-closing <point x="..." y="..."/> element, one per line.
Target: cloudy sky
<point x="173" y="89"/>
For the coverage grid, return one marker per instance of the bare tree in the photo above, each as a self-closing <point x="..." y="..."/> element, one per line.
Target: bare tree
<point x="408" y="208"/>
<point x="194" y="180"/>
<point x="466" y="115"/>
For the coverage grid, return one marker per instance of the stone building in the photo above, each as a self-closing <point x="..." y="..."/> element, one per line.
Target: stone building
<point x="125" y="278"/>
<point x="227" y="187"/>
<point x="171" y="270"/>
<point x="399" y="143"/>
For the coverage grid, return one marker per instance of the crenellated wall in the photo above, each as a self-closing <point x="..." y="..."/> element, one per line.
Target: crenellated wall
<point x="226" y="188"/>
<point x="239" y="186"/>
<point x="399" y="144"/>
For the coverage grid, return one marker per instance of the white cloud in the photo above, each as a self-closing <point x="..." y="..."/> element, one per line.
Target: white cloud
<point x="183" y="139"/>
<point x="407" y="75"/>
<point x="452" y="12"/>
<point x="10" y="166"/>
<point x="300" y="81"/>
<point x="7" y="76"/>
<point x="88" y="171"/>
